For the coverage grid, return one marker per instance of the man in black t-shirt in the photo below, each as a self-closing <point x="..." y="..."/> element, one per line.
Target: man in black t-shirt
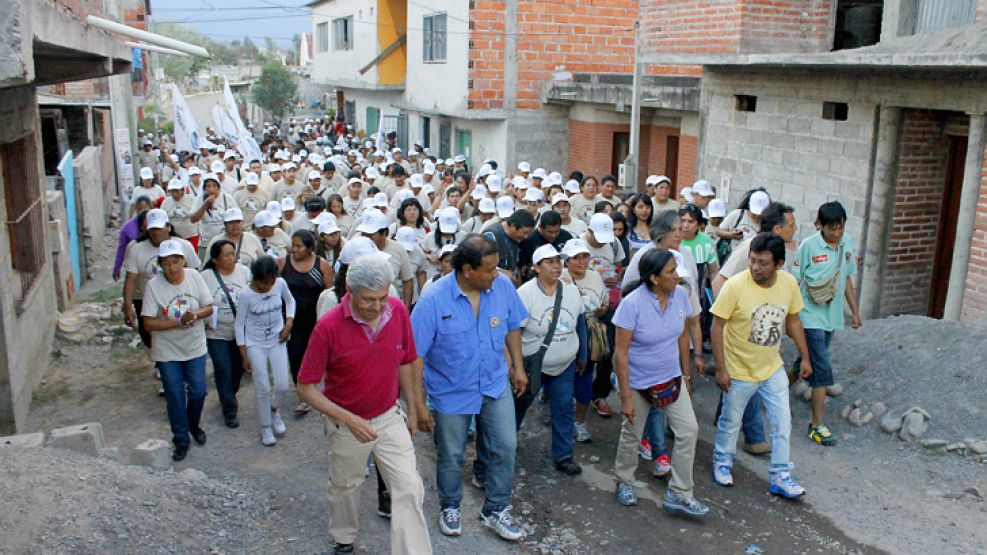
<point x="549" y="231"/>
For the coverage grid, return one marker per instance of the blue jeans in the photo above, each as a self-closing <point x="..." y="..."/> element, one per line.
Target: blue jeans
<point x="184" y="413"/>
<point x="774" y="394"/>
<point x="753" y="424"/>
<point x="227" y="371"/>
<point x="496" y="430"/>
<point x="582" y="387"/>
<point x="654" y="432"/>
<point x="559" y="392"/>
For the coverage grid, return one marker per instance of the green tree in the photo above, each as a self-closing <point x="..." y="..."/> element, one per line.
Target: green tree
<point x="276" y="90"/>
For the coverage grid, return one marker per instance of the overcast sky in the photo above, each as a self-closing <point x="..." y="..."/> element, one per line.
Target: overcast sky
<point x="225" y="20"/>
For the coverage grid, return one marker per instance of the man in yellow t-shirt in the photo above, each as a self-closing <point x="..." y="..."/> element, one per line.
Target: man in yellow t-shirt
<point x="752" y="312"/>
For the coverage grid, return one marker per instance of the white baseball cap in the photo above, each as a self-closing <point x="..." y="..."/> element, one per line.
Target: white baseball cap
<point x="524" y="167"/>
<point x="543" y="252"/>
<point x="758" y="202"/>
<point x="403" y="195"/>
<point x="485" y="170"/>
<point x="494" y="183"/>
<point x="156" y="218"/>
<point x="217" y="167"/>
<point x="230" y="154"/>
<point x="289" y="166"/>
<point x="146" y="173"/>
<point x="449" y="219"/>
<point x="252" y="179"/>
<point x="355" y="180"/>
<point x="559" y="197"/>
<point x="717" y="208"/>
<point x="328" y="226"/>
<point x="406" y="236"/>
<point x="373" y="220"/>
<point x="539" y="173"/>
<point x="322" y="218"/>
<point x="416" y="181"/>
<point x="428" y="189"/>
<point x="520" y="183"/>
<point x="533" y="195"/>
<point x="571" y="186"/>
<point x="602" y="227"/>
<point x="573" y="247"/>
<point x="428" y="168"/>
<point x="220" y="148"/>
<point x="480" y="192"/>
<point x="170" y="247"/>
<point x="371" y="173"/>
<point x="314" y="174"/>
<point x="379" y="200"/>
<point x="449" y="162"/>
<point x="233" y="215"/>
<point x="459" y="159"/>
<point x="687" y="194"/>
<point x="287" y="203"/>
<point x="357" y="247"/>
<point x="505" y="207"/>
<point x="265" y="218"/>
<point x="175" y="185"/>
<point x="194" y="170"/>
<point x="703" y="188"/>
<point x="447" y="249"/>
<point x="272" y="168"/>
<point x="680" y="268"/>
<point x="274" y="207"/>
<point x="487" y="206"/>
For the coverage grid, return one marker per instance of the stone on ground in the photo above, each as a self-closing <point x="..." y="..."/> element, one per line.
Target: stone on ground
<point x="155" y="453"/>
<point x="835" y="390"/>
<point x="878" y="409"/>
<point x="23" y="441"/>
<point x="912" y="426"/>
<point x="890" y="423"/>
<point x="84" y="438"/>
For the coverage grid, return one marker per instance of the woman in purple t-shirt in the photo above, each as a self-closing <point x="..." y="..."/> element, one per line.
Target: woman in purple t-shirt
<point x="652" y="365"/>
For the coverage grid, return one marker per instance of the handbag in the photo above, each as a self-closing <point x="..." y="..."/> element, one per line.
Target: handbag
<point x="663" y="394"/>
<point x="724" y="246"/>
<point x="823" y="291"/>
<point x="599" y="345"/>
<point x="532" y="363"/>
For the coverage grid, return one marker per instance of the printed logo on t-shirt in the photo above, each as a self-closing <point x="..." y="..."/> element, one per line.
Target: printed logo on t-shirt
<point x="767" y="323"/>
<point x="178" y="305"/>
<point x="151" y="267"/>
<point x="820" y="258"/>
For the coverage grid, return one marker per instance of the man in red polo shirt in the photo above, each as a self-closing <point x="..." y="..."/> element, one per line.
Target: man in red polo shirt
<point x="363" y="350"/>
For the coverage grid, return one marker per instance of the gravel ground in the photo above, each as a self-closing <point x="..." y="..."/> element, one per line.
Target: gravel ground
<point x="57" y="501"/>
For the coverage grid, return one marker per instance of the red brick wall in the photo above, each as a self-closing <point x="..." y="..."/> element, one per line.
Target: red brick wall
<point x="486" y="55"/>
<point x="82" y="8"/>
<point x="787" y="25"/>
<point x="975" y="296"/>
<point x="915" y="218"/>
<point x="591" y="150"/>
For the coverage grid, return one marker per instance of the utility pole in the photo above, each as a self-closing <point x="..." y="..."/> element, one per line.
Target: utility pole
<point x="633" y="157"/>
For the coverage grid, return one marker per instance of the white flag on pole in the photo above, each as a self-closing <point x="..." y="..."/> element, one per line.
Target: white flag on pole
<point x="245" y="143"/>
<point x="187" y="137"/>
<point x="224" y="125"/>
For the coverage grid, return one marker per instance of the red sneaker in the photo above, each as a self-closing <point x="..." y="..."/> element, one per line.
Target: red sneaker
<point x="663" y="466"/>
<point x="602" y="408"/>
<point x="645" y="450"/>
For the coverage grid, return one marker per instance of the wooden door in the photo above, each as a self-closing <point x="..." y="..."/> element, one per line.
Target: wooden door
<point x="672" y="162"/>
<point x="946" y="236"/>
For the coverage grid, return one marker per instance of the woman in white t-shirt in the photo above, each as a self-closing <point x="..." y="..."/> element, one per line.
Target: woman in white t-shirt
<point x="225" y="280"/>
<point x="209" y="209"/>
<point x="595" y="296"/>
<point x="146" y="188"/>
<point x="564" y="356"/>
<point x="176" y="304"/>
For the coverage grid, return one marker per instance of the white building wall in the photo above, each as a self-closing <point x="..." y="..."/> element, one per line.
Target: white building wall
<point x="341" y="67"/>
<point x="385" y="101"/>
<point x="439" y="87"/>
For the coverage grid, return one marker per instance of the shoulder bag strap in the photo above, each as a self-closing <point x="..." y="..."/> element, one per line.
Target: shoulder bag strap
<point x="226" y="292"/>
<point x="555" y="320"/>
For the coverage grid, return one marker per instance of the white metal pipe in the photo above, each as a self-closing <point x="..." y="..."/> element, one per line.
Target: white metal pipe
<point x="153" y="48"/>
<point x="145" y="36"/>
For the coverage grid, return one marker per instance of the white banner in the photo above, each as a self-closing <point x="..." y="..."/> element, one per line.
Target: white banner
<point x="245" y="144"/>
<point x="125" y="163"/>
<point x="225" y="126"/>
<point x="187" y="137"/>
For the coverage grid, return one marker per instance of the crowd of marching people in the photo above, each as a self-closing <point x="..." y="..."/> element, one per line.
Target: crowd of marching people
<point x="353" y="274"/>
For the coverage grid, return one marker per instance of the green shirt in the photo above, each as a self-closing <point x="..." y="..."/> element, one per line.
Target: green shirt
<point x="816" y="260"/>
<point x="703" y="248"/>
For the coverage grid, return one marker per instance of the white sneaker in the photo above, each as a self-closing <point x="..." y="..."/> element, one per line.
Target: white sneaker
<point x="277" y="423"/>
<point x="267" y="436"/>
<point x="582" y="433"/>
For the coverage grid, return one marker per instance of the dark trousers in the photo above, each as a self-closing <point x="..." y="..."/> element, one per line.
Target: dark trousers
<point x="227" y="372"/>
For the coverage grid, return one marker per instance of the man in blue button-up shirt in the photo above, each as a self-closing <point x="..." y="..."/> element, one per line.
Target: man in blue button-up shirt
<point x="467" y="329"/>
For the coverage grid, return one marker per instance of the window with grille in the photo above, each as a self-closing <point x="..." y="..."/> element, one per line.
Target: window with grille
<point x="322" y="37"/>
<point x="434" y="30"/>
<point x="342" y="33"/>
<point x="25" y="210"/>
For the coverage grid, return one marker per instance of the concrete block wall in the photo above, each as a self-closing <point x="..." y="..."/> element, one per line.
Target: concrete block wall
<point x="922" y="158"/>
<point x="541" y="138"/>
<point x="975" y="295"/>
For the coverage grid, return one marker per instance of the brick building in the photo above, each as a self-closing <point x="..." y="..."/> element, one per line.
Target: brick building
<point x="895" y="131"/>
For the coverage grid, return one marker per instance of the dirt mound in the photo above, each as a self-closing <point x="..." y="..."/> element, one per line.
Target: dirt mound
<point x="57" y="501"/>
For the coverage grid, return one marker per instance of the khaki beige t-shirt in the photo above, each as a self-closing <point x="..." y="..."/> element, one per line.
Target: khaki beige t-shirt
<point x="141" y="258"/>
<point x="166" y="301"/>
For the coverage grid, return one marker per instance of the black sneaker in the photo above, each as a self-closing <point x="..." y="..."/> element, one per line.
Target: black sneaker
<point x="232" y="422"/>
<point x="199" y="435"/>
<point x="384" y="504"/>
<point x="179" y="453"/>
<point x="342" y="548"/>
<point x="569" y="467"/>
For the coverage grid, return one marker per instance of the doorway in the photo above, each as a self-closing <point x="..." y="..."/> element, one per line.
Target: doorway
<point x="672" y="162"/>
<point x="621" y="148"/>
<point x="946" y="235"/>
<point x="464" y="145"/>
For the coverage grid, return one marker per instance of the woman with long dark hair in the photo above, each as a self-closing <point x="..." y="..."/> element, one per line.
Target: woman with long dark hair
<point x="653" y="369"/>
<point x="307" y="275"/>
<point x="410" y="214"/>
<point x="639" y="222"/>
